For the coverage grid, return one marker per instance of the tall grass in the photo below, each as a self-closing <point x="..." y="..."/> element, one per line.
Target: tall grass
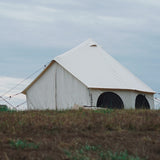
<point x="137" y="120"/>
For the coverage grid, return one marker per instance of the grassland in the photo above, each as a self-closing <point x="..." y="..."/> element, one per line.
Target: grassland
<point x="80" y="135"/>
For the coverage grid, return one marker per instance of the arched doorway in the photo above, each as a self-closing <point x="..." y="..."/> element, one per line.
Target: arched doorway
<point x="110" y="100"/>
<point x="141" y="102"/>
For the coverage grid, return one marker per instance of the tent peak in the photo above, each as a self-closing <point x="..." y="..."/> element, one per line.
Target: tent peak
<point x="93" y="45"/>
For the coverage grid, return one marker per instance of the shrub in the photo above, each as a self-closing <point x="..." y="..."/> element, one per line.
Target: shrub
<point x="4" y="108"/>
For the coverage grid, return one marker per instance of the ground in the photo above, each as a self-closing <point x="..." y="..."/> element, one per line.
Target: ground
<point x="80" y="135"/>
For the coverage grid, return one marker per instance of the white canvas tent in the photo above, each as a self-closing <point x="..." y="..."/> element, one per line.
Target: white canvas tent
<point x="157" y="103"/>
<point x="88" y="76"/>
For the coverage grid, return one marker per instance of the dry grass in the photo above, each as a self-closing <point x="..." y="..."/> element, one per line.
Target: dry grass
<point x="138" y="132"/>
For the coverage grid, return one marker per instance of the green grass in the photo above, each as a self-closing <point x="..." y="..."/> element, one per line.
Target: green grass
<point x="109" y="155"/>
<point x="20" y="144"/>
<point x="104" y="111"/>
<point x="85" y="153"/>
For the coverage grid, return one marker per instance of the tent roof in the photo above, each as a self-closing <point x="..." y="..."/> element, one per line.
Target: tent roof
<point x="95" y="68"/>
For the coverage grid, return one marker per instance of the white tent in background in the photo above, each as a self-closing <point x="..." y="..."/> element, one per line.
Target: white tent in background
<point x="157" y="103"/>
<point x="87" y="76"/>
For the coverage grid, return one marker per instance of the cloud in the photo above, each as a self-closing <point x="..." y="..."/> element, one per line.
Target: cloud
<point x="63" y="3"/>
<point x="154" y="3"/>
<point x="35" y="31"/>
<point x="27" y="12"/>
<point x="48" y="23"/>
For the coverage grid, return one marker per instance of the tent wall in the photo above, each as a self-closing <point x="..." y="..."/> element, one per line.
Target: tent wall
<point x="70" y="91"/>
<point x="57" y="89"/>
<point x="42" y="94"/>
<point x="128" y="97"/>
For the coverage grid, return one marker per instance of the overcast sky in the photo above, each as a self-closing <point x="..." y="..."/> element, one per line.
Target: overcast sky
<point x="33" y="32"/>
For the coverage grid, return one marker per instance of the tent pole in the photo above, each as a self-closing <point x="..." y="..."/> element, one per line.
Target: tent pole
<point x="56" y="88"/>
<point x="91" y="99"/>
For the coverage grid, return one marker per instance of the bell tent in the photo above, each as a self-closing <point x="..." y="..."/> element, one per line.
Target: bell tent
<point x="87" y="76"/>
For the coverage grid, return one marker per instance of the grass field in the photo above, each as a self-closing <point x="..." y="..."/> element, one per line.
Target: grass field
<point x="80" y="135"/>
